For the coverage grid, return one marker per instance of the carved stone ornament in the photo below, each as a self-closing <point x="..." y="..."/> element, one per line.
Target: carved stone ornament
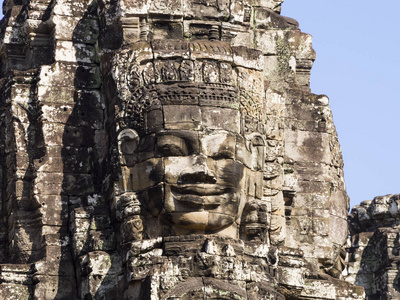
<point x="154" y="149"/>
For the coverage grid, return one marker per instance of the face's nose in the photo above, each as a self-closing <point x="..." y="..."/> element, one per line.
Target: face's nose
<point x="197" y="172"/>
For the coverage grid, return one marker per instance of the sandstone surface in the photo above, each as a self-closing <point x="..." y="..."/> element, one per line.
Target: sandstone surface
<point x="155" y="149"/>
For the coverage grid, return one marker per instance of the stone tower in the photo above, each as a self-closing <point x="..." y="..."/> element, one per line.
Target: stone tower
<point x="155" y="149"/>
<point x="373" y="247"/>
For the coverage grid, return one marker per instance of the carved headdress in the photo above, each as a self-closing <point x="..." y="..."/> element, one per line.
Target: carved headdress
<point x="176" y="72"/>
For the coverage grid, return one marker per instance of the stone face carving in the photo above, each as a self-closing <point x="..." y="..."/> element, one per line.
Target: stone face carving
<point x="166" y="150"/>
<point x="373" y="247"/>
<point x="194" y="160"/>
<point x="197" y="170"/>
<point x="186" y="149"/>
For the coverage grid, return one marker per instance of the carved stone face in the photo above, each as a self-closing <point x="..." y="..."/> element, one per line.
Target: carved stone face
<point x="195" y="170"/>
<point x="203" y="187"/>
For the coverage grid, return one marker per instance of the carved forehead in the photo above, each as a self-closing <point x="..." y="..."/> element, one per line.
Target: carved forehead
<point x="200" y="118"/>
<point x="193" y="108"/>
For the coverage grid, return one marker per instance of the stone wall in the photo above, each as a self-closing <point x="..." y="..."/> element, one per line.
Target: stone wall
<point x="91" y="92"/>
<point x="373" y="247"/>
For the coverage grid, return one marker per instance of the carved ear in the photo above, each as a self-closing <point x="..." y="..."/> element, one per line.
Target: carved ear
<point x="257" y="149"/>
<point x="128" y="141"/>
<point x="256" y="139"/>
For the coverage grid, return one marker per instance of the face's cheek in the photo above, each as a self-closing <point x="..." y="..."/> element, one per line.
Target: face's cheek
<point x="231" y="177"/>
<point x="230" y="172"/>
<point x="219" y="220"/>
<point x="228" y="212"/>
<point x="169" y="204"/>
<point x="143" y="175"/>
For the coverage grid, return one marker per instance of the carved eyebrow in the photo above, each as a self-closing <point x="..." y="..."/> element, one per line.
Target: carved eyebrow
<point x="189" y="137"/>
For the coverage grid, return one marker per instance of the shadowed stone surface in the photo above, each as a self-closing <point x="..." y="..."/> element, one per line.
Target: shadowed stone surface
<point x="373" y="247"/>
<point x="157" y="149"/>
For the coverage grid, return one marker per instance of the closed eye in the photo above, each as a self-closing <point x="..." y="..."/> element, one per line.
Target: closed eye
<point x="223" y="154"/>
<point x="171" y="150"/>
<point x="170" y="145"/>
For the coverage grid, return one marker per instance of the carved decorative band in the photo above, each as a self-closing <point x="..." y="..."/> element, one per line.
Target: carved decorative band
<point x="176" y="93"/>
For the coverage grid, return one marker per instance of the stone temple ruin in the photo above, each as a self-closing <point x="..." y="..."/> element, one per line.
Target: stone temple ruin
<point x="155" y="149"/>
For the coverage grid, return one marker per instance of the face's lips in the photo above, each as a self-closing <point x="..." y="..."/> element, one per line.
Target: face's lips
<point x="202" y="196"/>
<point x="199" y="202"/>
<point x="199" y="189"/>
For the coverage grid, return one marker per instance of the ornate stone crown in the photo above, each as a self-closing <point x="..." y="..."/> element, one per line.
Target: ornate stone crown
<point x="187" y="73"/>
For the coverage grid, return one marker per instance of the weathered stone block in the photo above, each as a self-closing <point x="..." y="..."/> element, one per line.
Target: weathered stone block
<point x="182" y="116"/>
<point x="76" y="29"/>
<point x="215" y="50"/>
<point x="67" y="51"/>
<point x="60" y="95"/>
<point x="53" y="287"/>
<point x="321" y="289"/>
<point x="271" y="4"/>
<point x="219" y="143"/>
<point x="221" y="118"/>
<point x="320" y="226"/>
<point x="58" y="262"/>
<point x="134" y="8"/>
<point x="214" y="10"/>
<point x="171" y="48"/>
<point x="78" y="184"/>
<point x="266" y="40"/>
<point x="73" y="9"/>
<point x="101" y="263"/>
<point x="248" y="58"/>
<point x="70" y="75"/>
<point x="291" y="276"/>
<point x="310" y="187"/>
<point x="54" y="209"/>
<point x="49" y="183"/>
<point x="14" y="291"/>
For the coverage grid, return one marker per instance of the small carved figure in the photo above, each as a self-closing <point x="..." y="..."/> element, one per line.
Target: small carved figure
<point x="169" y="72"/>
<point x="187" y="70"/>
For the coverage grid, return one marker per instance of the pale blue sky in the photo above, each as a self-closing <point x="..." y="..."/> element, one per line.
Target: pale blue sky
<point x="357" y="66"/>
